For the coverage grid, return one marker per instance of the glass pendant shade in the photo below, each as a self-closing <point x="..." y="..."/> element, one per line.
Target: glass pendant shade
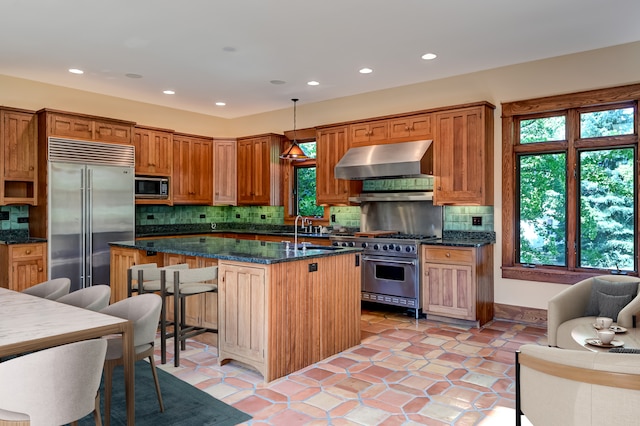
<point x="294" y="152"/>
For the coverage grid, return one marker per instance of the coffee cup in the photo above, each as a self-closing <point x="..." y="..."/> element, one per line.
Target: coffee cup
<point x="604" y="322"/>
<point x="606" y="336"/>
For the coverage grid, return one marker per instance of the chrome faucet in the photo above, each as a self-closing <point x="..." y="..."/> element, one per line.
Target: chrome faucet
<point x="295" y="231"/>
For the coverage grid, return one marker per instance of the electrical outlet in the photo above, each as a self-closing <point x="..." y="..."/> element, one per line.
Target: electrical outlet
<point x="23" y="220"/>
<point x="263" y="216"/>
<point x="150" y="216"/>
<point x="476" y="220"/>
<point x="4" y="215"/>
<point x="237" y="215"/>
<point x="333" y="218"/>
<point x="313" y="267"/>
<point x="203" y="216"/>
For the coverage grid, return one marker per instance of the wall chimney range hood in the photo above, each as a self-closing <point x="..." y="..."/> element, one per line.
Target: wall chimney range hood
<point x="397" y="160"/>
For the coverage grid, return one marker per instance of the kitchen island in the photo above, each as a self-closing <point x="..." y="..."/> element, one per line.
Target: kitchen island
<point x="278" y="310"/>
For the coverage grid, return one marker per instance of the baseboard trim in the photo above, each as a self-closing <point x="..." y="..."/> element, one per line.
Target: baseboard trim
<point x="533" y="316"/>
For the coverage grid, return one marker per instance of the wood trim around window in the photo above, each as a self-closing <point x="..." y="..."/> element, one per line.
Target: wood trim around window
<point x="540" y="106"/>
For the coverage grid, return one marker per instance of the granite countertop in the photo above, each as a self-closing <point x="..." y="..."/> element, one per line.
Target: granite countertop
<point x="275" y="230"/>
<point x="452" y="242"/>
<point x="23" y="240"/>
<point x="250" y="251"/>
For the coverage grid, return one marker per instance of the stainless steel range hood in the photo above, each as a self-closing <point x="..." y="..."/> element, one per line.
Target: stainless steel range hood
<point x="406" y="159"/>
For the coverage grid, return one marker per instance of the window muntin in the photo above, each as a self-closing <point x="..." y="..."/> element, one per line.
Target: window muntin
<point x="542" y="209"/>
<point x="607" y="209"/>
<point x="543" y="129"/>
<point x="610" y="122"/>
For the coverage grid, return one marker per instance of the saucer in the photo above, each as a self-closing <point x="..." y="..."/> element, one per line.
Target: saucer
<point x="614" y="328"/>
<point x="596" y="342"/>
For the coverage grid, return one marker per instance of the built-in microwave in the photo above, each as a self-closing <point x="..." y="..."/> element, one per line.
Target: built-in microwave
<point x="152" y="187"/>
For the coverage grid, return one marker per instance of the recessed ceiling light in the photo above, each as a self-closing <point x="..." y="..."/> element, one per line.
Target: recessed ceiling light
<point x="221" y="103"/>
<point x="133" y="75"/>
<point x="168" y="92"/>
<point x="366" y="71"/>
<point x="313" y="83"/>
<point x="75" y="71"/>
<point x="429" y="56"/>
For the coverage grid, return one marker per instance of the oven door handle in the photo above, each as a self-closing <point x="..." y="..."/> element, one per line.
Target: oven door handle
<point x="399" y="262"/>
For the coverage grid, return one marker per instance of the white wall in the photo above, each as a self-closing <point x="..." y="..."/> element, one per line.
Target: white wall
<point x="591" y="70"/>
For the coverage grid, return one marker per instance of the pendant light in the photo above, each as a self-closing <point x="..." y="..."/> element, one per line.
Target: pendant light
<point x="294" y="153"/>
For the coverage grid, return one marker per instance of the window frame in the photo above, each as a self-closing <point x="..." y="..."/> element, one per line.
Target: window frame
<point x="571" y="105"/>
<point x="288" y="185"/>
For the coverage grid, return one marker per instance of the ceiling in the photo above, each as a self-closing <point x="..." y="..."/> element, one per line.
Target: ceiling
<point x="233" y="51"/>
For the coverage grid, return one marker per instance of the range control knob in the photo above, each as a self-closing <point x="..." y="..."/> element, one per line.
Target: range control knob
<point x="376" y="247"/>
<point x="384" y="247"/>
<point x="364" y="245"/>
<point x="409" y="249"/>
<point x="398" y="247"/>
<point x="352" y="244"/>
<point x="391" y="246"/>
<point x="335" y="243"/>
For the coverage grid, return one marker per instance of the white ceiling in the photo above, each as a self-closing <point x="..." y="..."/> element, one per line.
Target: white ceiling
<point x="231" y="50"/>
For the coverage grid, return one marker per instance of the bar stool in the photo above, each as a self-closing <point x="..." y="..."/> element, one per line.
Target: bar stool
<point x="182" y="283"/>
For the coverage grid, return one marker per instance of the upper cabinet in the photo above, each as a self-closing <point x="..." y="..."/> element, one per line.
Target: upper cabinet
<point x="225" y="172"/>
<point x="369" y="132"/>
<point x="410" y="128"/>
<point x="154" y="153"/>
<point x="331" y="144"/>
<point x="88" y="128"/>
<point x="192" y="181"/>
<point x="463" y="156"/>
<point x="19" y="165"/>
<point x="260" y="170"/>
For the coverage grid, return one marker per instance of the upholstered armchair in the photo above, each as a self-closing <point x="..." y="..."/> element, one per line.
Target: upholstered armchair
<point x="568" y="387"/>
<point x="585" y="300"/>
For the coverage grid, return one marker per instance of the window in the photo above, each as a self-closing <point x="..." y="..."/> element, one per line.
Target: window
<point x="570" y="202"/>
<point x="303" y="185"/>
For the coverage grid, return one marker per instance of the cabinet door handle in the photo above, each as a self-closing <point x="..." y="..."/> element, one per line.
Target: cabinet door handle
<point x="407" y="128"/>
<point x="448" y="254"/>
<point x="27" y="252"/>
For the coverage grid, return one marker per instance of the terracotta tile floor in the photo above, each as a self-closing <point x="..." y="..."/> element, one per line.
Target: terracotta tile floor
<point x="404" y="372"/>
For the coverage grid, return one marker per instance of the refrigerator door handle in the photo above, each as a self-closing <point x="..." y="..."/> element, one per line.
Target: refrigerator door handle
<point x="83" y="226"/>
<point x="89" y="233"/>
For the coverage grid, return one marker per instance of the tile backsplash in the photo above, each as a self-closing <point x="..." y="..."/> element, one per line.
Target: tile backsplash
<point x="14" y="218"/>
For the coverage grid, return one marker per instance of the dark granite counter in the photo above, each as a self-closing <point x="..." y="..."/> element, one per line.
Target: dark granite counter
<point x="250" y="251"/>
<point x="463" y="239"/>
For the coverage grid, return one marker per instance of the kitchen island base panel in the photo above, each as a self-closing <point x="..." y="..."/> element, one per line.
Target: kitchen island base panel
<point x="281" y="318"/>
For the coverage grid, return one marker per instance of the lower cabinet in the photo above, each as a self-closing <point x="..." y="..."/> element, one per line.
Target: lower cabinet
<point x="25" y="265"/>
<point x="242" y="313"/>
<point x="457" y="282"/>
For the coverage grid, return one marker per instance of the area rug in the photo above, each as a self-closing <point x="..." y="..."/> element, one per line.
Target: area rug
<point x="184" y="405"/>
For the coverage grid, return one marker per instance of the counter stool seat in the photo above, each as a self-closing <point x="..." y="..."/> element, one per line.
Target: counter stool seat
<point x="182" y="283"/>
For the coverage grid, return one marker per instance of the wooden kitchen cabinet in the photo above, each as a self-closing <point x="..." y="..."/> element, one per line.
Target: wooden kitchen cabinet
<point x="463" y="156"/>
<point x="411" y="128"/>
<point x="121" y="260"/>
<point x="260" y="170"/>
<point x="225" y="172"/>
<point x="154" y="151"/>
<point x="87" y="127"/>
<point x="192" y="181"/>
<point x="331" y="144"/>
<point x="369" y="133"/>
<point x="19" y="165"/>
<point x="25" y="265"/>
<point x="242" y="292"/>
<point x="457" y="282"/>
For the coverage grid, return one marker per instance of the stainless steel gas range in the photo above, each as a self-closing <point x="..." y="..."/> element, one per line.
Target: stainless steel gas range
<point x="391" y="236"/>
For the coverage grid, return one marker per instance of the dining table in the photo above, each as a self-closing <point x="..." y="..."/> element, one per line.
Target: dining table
<point x="29" y="323"/>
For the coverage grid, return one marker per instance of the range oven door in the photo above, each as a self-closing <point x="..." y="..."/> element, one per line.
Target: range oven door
<point x="390" y="276"/>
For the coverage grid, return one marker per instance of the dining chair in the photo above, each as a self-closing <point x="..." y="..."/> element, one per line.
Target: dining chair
<point x="144" y="312"/>
<point x="51" y="289"/>
<point x="94" y="298"/>
<point x="53" y="386"/>
<point x="182" y="283"/>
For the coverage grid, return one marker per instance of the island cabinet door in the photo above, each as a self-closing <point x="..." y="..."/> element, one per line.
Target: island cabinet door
<point x="242" y="313"/>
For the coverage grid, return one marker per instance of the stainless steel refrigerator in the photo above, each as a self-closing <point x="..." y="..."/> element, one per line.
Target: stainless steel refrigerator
<point x="91" y="203"/>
